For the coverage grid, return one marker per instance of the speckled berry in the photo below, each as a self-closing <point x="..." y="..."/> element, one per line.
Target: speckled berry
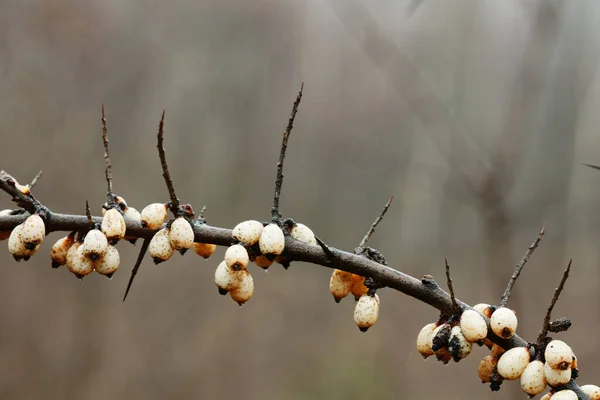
<point x="513" y="362"/>
<point x="484" y="309"/>
<point x="592" y="391"/>
<point x="358" y="286"/>
<point x="227" y="279"/>
<point x="504" y="322"/>
<point x="113" y="226"/>
<point x="80" y="265"/>
<point x="486" y="367"/>
<point x="303" y="233"/>
<point x="564" y="395"/>
<point x="181" y="235"/>
<point x="244" y="291"/>
<point x="263" y="262"/>
<point x="473" y="326"/>
<point x="59" y="250"/>
<point x="17" y="247"/>
<point x="236" y="257"/>
<point x="33" y="231"/>
<point x="160" y="248"/>
<point x="248" y="232"/>
<point x="558" y="355"/>
<point x="340" y="284"/>
<point x="154" y="215"/>
<point x="272" y="240"/>
<point x="424" y="339"/>
<point x="94" y="245"/>
<point x="556" y="377"/>
<point x="533" y="380"/>
<point x="109" y="263"/>
<point x="366" y="311"/>
<point x="204" y="250"/>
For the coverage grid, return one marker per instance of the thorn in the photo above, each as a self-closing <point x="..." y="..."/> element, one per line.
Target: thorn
<point x="138" y="262"/>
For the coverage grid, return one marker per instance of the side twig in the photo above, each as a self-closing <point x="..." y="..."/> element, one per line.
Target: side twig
<point x="275" y="215"/>
<point x="174" y="206"/>
<point x="35" y="179"/>
<point x="520" y="266"/>
<point x="365" y="239"/>
<point x="138" y="262"/>
<point x="107" y="166"/>
<point x="546" y="325"/>
<point x="451" y="289"/>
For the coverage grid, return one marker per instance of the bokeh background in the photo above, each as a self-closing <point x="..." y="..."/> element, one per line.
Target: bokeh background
<point x="476" y="115"/>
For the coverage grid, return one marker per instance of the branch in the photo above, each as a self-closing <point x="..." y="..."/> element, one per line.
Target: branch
<point x="546" y="326"/>
<point x="520" y="266"/>
<point x="174" y="206"/>
<point x="21" y="194"/>
<point x="275" y="215"/>
<point x="107" y="166"/>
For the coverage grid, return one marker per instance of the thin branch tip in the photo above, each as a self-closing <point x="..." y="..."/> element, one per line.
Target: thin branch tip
<point x="371" y="230"/>
<point x="546" y="325"/>
<point x="451" y="287"/>
<point x="107" y="165"/>
<point x="174" y="206"/>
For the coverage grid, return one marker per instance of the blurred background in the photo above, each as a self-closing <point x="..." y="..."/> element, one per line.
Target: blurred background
<point x="476" y="115"/>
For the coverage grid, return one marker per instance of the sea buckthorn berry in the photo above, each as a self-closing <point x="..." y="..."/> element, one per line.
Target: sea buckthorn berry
<point x="33" y="231"/>
<point x="458" y="346"/>
<point x="303" y="233"/>
<point x="473" y="326"/>
<point x="533" y="380"/>
<point x="424" y="340"/>
<point x="439" y="339"/>
<point x="558" y="355"/>
<point x="154" y="215"/>
<point x="484" y="309"/>
<point x="243" y="292"/>
<point x="227" y="279"/>
<point x="340" y="284"/>
<point x="513" y="362"/>
<point x="160" y="248"/>
<point x="204" y="250"/>
<point x="71" y="254"/>
<point x="119" y="201"/>
<point x="236" y="257"/>
<point x="248" y="232"/>
<point x="486" y="367"/>
<point x="17" y="247"/>
<point x="113" y="226"/>
<point x="592" y="391"/>
<point x="80" y="265"/>
<point x="556" y="377"/>
<point x="181" y="235"/>
<point x="263" y="262"/>
<point x="564" y="395"/>
<point x="132" y="214"/>
<point x="358" y="286"/>
<point x="272" y="240"/>
<point x="366" y="311"/>
<point x="94" y="245"/>
<point x="59" y="250"/>
<point x="496" y="350"/>
<point x="504" y="322"/>
<point x="109" y="263"/>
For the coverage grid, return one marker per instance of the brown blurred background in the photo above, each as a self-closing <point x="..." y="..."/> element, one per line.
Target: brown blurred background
<point x="475" y="114"/>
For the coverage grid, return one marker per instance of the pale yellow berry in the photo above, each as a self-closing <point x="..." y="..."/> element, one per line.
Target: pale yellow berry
<point x="272" y="240"/>
<point x="131" y="214"/>
<point x="366" y="311"/>
<point x="109" y="263"/>
<point x="59" y="250"/>
<point x="227" y="279"/>
<point x="496" y="350"/>
<point x="473" y="326"/>
<point x="565" y="395"/>
<point x="592" y="391"/>
<point x="94" y="245"/>
<point x="483" y="309"/>
<point x="558" y="355"/>
<point x="513" y="362"/>
<point x="340" y="284"/>
<point x="80" y="265"/>
<point x="458" y="346"/>
<point x="236" y="257"/>
<point x="504" y="322"/>
<point x="160" y="248"/>
<point x="533" y="380"/>
<point x="181" y="235"/>
<point x="263" y="262"/>
<point x="243" y="292"/>
<point x="358" y="286"/>
<point x="154" y="215"/>
<point x="71" y="255"/>
<point x="17" y="247"/>
<point x="424" y="340"/>
<point x="248" y="232"/>
<point x="113" y="226"/>
<point x="486" y="366"/>
<point x="33" y="231"/>
<point x="204" y="250"/>
<point x="556" y="377"/>
<point x="303" y="233"/>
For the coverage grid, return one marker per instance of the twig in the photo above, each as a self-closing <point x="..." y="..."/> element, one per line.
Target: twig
<point x="451" y="288"/>
<point x="138" y="262"/>
<point x="174" y="206"/>
<point x="519" y="267"/>
<point x="107" y="166"/>
<point x="88" y="214"/>
<point x="591" y="166"/>
<point x="24" y="200"/>
<point x="36" y="179"/>
<point x="275" y="215"/>
<point x="546" y="325"/>
<point x="375" y="223"/>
